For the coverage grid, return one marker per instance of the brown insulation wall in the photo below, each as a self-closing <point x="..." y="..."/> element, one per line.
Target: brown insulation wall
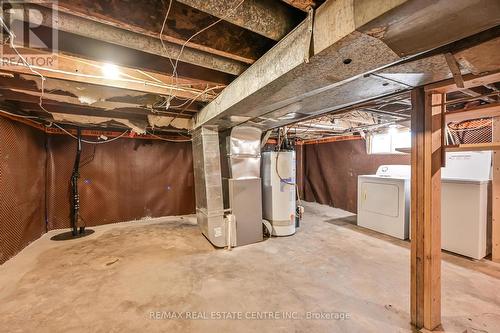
<point x="22" y="186"/>
<point x="330" y="171"/>
<point x="120" y="181"/>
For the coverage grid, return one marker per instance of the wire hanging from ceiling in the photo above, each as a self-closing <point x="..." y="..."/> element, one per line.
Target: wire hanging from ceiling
<point x="87" y="141"/>
<point x="176" y="63"/>
<point x="172" y="87"/>
<point x="24" y="61"/>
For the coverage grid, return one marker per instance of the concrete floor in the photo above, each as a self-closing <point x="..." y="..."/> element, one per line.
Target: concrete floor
<point x="114" y="279"/>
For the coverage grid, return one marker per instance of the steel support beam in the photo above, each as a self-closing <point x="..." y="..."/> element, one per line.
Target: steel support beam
<point x="348" y="41"/>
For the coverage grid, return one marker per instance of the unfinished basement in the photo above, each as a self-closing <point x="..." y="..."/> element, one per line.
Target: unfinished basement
<point x="250" y="166"/>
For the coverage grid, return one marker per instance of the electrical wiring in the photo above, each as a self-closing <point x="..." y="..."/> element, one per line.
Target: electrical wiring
<point x="34" y="69"/>
<point x="311" y="123"/>
<point x="192" y="101"/>
<point x="163" y="29"/>
<point x="206" y="28"/>
<point x="310" y="126"/>
<point x="91" y="76"/>
<point x="150" y="76"/>
<point x="19" y="115"/>
<point x="91" y="64"/>
<point x="189" y="101"/>
<point x="133" y="79"/>
<point x="87" y="141"/>
<point x="175" y="87"/>
<point x="25" y="62"/>
<point x="174" y="65"/>
<point x="168" y="140"/>
<point x="164" y="103"/>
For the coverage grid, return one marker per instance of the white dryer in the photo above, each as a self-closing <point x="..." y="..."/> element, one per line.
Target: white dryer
<point x="384" y="200"/>
<point x="465" y="220"/>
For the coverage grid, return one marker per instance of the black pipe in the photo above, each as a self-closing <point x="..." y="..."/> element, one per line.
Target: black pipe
<point x="75" y="197"/>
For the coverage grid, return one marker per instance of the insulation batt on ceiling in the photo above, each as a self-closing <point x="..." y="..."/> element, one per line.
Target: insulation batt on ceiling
<point x="96" y="96"/>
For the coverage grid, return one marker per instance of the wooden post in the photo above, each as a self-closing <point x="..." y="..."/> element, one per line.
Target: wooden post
<point x="495" y="227"/>
<point x="426" y="162"/>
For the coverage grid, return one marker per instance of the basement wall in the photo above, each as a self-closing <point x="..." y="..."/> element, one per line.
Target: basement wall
<point x="327" y="173"/>
<point x="120" y="181"/>
<point x="22" y="186"/>
<point x="127" y="179"/>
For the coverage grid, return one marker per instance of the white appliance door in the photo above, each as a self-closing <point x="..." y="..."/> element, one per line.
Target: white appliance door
<point x="464" y="218"/>
<point x="380" y="198"/>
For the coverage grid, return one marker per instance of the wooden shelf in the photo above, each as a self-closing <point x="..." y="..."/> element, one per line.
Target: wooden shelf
<point x="483" y="111"/>
<point x="474" y="147"/>
<point x="462" y="147"/>
<point x="404" y="150"/>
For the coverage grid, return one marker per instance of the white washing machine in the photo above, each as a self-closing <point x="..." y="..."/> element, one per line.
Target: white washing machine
<point x="384" y="200"/>
<point x="465" y="218"/>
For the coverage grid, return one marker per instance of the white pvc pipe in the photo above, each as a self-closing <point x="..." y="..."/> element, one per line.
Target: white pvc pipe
<point x="230" y="220"/>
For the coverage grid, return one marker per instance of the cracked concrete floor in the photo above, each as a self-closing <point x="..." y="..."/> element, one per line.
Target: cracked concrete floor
<point x="132" y="276"/>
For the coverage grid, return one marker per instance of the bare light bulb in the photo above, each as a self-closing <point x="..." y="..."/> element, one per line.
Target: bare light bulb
<point x="393" y="130"/>
<point x="110" y="71"/>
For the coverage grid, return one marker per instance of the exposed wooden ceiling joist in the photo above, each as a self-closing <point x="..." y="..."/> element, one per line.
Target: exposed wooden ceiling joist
<point x="111" y="34"/>
<point x="92" y="49"/>
<point x="271" y="19"/>
<point x="470" y="81"/>
<point x="79" y="114"/>
<point x="303" y="5"/>
<point x="83" y="103"/>
<point x="147" y="16"/>
<point x="105" y="107"/>
<point x="473" y="93"/>
<point x="483" y="111"/>
<point x="70" y="108"/>
<point x="93" y="35"/>
<point x="77" y="70"/>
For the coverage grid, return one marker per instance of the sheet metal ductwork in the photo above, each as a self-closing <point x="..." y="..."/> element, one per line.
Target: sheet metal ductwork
<point x="208" y="185"/>
<point x="351" y="52"/>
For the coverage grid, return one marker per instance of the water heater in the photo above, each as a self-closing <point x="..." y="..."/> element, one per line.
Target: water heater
<point x="278" y="191"/>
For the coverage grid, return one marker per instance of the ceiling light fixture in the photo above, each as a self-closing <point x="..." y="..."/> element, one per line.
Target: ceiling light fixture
<point x="393" y="129"/>
<point x="110" y="71"/>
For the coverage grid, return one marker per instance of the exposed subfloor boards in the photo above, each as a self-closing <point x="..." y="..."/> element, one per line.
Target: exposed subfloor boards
<point x="113" y="279"/>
